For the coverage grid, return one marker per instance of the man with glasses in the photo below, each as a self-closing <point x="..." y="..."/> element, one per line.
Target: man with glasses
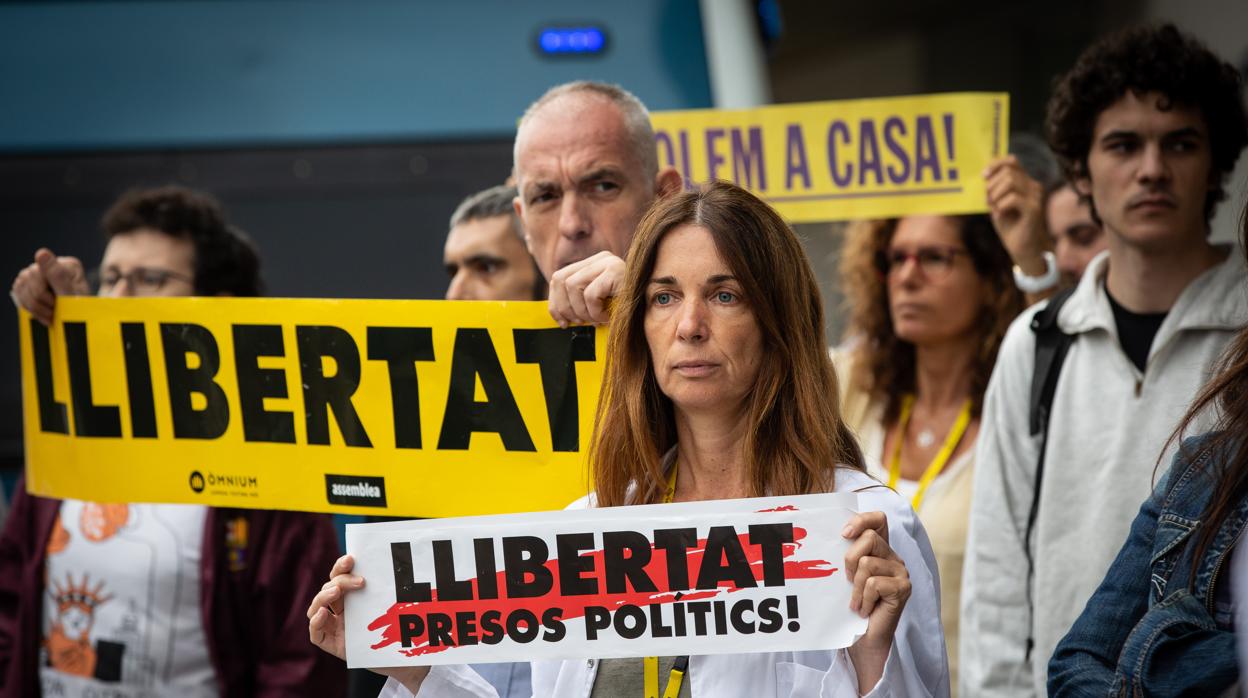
<point x="158" y="599"/>
<point x="170" y="241"/>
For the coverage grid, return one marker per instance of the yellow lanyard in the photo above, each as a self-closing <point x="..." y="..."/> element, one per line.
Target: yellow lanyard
<point x="942" y="457"/>
<point x="651" y="664"/>
<point x="674" y="680"/>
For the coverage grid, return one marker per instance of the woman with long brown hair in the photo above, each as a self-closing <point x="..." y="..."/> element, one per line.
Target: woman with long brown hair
<point x="930" y="299"/>
<point x="1164" y="619"/>
<point x="718" y="386"/>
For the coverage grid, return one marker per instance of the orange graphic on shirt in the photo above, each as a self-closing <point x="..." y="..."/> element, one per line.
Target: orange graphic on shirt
<point x="59" y="540"/>
<point x="99" y="522"/>
<point x="69" y="642"/>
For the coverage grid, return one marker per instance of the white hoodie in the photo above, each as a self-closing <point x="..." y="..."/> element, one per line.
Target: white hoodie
<point x="1108" y="427"/>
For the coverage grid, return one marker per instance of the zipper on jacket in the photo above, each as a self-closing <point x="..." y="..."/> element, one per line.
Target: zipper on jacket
<point x="1213" y="581"/>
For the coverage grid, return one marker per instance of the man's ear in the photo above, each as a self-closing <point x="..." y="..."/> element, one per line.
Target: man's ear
<point x="669" y="181"/>
<point x="515" y="206"/>
<point x="1082" y="185"/>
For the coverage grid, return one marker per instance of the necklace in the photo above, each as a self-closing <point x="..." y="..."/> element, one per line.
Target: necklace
<point x="925" y="438"/>
<point x="938" y="463"/>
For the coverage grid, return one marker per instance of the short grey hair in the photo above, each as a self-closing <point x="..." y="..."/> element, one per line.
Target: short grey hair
<point x="492" y="202"/>
<point x="636" y="117"/>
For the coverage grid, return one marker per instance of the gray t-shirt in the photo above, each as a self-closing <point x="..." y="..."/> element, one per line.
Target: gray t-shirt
<point x="623" y="678"/>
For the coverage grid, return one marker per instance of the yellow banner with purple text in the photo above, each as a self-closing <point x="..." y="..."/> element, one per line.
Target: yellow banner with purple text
<point x="860" y="158"/>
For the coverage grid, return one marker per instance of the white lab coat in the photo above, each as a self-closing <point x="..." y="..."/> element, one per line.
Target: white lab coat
<point x="916" y="666"/>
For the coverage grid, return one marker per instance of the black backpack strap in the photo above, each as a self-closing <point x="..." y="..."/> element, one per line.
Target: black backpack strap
<point x="1051" y="347"/>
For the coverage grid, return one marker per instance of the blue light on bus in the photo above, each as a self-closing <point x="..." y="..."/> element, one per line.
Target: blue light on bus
<point x="566" y="40"/>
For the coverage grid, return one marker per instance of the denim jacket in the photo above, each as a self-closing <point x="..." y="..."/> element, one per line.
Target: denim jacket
<point x="1150" y="629"/>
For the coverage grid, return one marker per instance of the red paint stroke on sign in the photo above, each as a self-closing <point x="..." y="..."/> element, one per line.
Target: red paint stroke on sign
<point x="574" y="606"/>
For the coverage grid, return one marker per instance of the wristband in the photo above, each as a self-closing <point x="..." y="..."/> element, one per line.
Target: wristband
<point x="1038" y="284"/>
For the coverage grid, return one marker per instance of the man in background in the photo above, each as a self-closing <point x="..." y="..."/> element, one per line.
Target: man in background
<point x="1077" y="235"/>
<point x="485" y="253"/>
<point x="586" y="171"/>
<point x="158" y="599"/>
<point x="1148" y="124"/>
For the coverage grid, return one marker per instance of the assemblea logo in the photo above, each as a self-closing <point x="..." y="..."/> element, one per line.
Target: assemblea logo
<point x="356" y="490"/>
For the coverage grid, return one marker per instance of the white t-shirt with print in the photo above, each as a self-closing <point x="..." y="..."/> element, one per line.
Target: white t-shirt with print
<point x="122" y="604"/>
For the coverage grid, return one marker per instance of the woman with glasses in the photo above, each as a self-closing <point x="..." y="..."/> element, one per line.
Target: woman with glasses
<point x="929" y="300"/>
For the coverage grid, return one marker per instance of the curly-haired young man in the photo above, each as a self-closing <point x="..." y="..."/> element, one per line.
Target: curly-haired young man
<point x="158" y="599"/>
<point x="1147" y="124"/>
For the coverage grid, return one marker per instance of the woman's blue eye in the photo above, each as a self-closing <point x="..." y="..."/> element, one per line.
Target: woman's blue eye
<point x="726" y="297"/>
<point x="663" y="298"/>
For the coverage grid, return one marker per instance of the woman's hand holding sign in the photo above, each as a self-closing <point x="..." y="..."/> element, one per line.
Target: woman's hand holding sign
<point x="325" y="627"/>
<point x="881" y="588"/>
<point x="325" y="624"/>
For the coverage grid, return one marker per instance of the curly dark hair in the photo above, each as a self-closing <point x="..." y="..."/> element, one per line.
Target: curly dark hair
<point x="226" y="260"/>
<point x="1143" y="59"/>
<point x="884" y="364"/>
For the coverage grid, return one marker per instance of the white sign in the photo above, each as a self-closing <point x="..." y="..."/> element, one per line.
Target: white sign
<point x="742" y="575"/>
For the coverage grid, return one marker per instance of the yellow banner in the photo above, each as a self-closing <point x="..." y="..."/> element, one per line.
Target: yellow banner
<point x="414" y="408"/>
<point x="861" y="158"/>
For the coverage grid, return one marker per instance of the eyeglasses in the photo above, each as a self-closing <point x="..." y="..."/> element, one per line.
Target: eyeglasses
<point x="934" y="261"/>
<point x="143" y="281"/>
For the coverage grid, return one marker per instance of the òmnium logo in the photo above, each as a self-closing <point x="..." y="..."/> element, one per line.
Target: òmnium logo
<point x="225" y="484"/>
<point x="356" y="490"/>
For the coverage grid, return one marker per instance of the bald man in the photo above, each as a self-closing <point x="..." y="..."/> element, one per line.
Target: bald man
<point x="587" y="170"/>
